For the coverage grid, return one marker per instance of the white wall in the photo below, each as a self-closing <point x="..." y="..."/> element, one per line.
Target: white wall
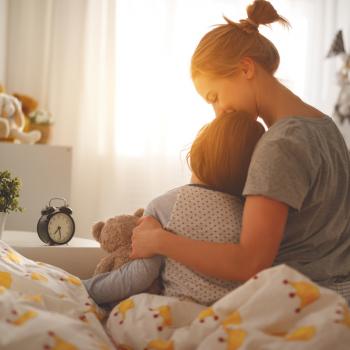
<point x="343" y="20"/>
<point x="3" y="40"/>
<point x="28" y="41"/>
<point x="44" y="171"/>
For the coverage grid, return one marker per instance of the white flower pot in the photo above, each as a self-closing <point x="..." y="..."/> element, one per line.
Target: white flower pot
<point x="3" y="217"/>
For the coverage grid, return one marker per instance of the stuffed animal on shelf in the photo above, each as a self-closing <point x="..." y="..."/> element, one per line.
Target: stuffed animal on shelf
<point x="12" y="121"/>
<point x="36" y="119"/>
<point x="29" y="104"/>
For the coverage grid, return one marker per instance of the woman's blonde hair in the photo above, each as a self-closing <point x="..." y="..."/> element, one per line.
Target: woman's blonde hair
<point x="220" y="50"/>
<point x="220" y="155"/>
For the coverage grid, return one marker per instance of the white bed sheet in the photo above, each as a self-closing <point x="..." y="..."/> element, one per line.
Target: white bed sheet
<point x="45" y="307"/>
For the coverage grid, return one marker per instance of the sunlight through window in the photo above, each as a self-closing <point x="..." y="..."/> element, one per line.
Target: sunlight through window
<point x="158" y="109"/>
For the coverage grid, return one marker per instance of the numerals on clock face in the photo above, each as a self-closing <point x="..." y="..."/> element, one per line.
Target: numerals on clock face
<point x="60" y="227"/>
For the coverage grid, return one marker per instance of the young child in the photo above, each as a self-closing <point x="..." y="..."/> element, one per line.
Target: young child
<point x="297" y="192"/>
<point x="219" y="159"/>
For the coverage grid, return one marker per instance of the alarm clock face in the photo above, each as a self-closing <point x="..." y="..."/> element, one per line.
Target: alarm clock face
<point x="60" y="227"/>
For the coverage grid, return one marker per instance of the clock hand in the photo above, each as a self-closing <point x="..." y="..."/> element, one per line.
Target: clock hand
<point x="59" y="229"/>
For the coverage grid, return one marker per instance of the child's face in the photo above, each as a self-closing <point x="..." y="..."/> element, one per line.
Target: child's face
<point x="227" y="94"/>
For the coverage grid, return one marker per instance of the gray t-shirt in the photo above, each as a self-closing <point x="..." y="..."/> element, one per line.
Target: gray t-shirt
<point x="304" y="163"/>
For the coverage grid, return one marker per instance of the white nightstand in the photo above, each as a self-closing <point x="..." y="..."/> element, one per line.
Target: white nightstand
<point x="79" y="257"/>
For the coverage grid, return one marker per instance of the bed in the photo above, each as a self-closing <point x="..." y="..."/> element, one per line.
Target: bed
<point x="45" y="307"/>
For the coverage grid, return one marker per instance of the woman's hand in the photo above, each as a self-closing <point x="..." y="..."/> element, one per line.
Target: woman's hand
<point x="145" y="238"/>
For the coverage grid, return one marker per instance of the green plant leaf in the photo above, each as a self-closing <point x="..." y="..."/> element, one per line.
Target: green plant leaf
<point x="9" y="192"/>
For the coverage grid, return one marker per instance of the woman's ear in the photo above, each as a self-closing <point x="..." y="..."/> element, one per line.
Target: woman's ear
<point x="247" y="67"/>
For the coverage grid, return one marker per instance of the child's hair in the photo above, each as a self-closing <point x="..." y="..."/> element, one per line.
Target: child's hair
<point x="220" y="155"/>
<point x="220" y="50"/>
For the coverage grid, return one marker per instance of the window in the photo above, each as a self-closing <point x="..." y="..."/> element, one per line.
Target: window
<point x="156" y="101"/>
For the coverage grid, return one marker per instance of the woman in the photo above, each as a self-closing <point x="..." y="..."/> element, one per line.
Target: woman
<point x="298" y="186"/>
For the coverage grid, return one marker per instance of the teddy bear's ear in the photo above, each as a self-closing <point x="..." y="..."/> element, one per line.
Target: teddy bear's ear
<point x="97" y="229"/>
<point x="139" y="212"/>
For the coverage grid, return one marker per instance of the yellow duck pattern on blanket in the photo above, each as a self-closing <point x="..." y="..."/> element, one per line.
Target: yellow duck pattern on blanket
<point x="207" y="314"/>
<point x="302" y="333"/>
<point x="234" y="339"/>
<point x="233" y="319"/>
<point x="11" y="256"/>
<point x="36" y="298"/>
<point x="306" y="292"/>
<point x="35" y="276"/>
<point x="41" y="299"/>
<point x="345" y="313"/>
<point x="71" y="279"/>
<point x="164" y="312"/>
<point x="5" y="279"/>
<point x="27" y="284"/>
<point x="23" y="318"/>
<point x="59" y="343"/>
<point x="123" y="307"/>
<point x="159" y="344"/>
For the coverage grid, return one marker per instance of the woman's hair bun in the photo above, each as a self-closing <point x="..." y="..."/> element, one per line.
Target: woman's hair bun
<point x="262" y="12"/>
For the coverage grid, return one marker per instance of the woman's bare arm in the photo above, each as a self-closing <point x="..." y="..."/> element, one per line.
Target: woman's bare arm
<point x="263" y="225"/>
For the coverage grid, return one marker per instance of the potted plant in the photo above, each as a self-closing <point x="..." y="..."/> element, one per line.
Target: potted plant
<point x="9" y="194"/>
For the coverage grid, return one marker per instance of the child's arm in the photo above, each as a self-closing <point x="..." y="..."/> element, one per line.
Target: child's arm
<point x="263" y="225"/>
<point x="132" y="278"/>
<point x="135" y="276"/>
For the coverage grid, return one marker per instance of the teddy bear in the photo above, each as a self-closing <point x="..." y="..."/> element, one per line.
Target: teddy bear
<point x="114" y="235"/>
<point x="29" y="104"/>
<point x="12" y="121"/>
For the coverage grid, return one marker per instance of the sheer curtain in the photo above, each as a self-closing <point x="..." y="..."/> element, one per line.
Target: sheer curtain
<point x="63" y="53"/>
<point x="115" y="75"/>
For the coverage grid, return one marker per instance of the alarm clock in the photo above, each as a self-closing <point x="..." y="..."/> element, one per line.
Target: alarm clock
<point x="56" y="225"/>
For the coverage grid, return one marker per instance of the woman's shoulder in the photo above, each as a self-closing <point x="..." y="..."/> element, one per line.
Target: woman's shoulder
<point x="298" y="125"/>
<point x="304" y="141"/>
<point x="303" y="133"/>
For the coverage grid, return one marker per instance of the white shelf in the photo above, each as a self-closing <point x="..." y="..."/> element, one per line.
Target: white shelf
<point x="23" y="239"/>
<point x="78" y="257"/>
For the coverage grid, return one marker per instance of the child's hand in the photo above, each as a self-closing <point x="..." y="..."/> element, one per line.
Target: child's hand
<point x="145" y="238"/>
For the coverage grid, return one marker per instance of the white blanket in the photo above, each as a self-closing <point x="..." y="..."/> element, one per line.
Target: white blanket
<point x="44" y="307"/>
<point x="277" y="309"/>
